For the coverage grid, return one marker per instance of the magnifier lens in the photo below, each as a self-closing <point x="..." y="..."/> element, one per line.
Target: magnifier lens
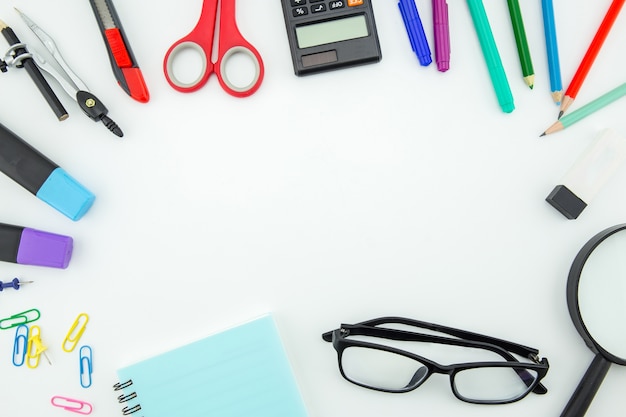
<point x="602" y="294"/>
<point x="596" y="297"/>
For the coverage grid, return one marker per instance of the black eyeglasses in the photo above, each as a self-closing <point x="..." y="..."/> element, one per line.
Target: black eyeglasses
<point x="389" y="369"/>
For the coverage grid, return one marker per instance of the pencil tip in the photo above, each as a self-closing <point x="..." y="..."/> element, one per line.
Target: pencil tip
<point x="543" y="134"/>
<point x="530" y="81"/>
<point x="560" y="114"/>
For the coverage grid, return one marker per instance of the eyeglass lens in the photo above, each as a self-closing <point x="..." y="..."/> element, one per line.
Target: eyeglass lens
<point x="494" y="383"/>
<point x="381" y="369"/>
<point x="389" y="371"/>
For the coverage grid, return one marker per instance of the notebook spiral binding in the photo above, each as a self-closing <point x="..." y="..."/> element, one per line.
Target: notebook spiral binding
<point x="122" y="385"/>
<point x="127" y="410"/>
<point x="123" y="398"/>
<point x="130" y="410"/>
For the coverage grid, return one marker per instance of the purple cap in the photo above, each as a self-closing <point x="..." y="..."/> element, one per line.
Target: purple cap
<point x="44" y="249"/>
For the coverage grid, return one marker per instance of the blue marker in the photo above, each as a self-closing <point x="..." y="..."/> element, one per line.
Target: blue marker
<point x="415" y="30"/>
<point x="42" y="177"/>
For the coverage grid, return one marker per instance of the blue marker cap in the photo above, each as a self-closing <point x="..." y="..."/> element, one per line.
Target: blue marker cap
<point x="65" y="194"/>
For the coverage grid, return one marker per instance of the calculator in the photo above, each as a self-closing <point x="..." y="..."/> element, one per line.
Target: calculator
<point x="330" y="34"/>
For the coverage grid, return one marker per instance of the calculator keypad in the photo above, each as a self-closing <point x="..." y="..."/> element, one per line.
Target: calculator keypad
<point x="304" y="7"/>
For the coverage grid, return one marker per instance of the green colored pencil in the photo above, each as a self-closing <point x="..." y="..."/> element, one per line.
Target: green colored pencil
<point x="587" y="109"/>
<point x="522" y="43"/>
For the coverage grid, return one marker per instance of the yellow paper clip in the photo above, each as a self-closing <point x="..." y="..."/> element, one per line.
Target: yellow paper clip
<point x="76" y="331"/>
<point x="35" y="348"/>
<point x="70" y="404"/>
<point x="20" y="318"/>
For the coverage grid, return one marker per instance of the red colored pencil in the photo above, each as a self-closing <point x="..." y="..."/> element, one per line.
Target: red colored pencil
<point x="590" y="55"/>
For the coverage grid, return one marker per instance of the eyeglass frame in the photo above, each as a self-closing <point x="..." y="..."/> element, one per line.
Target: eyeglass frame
<point x="464" y="339"/>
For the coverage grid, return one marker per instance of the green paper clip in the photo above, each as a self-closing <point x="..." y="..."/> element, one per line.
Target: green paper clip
<point x="20" y="318"/>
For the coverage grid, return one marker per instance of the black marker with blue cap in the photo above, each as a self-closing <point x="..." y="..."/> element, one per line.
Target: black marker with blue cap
<point x="42" y="177"/>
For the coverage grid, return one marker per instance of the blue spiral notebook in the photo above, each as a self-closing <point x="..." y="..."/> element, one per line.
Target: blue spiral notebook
<point x="240" y="372"/>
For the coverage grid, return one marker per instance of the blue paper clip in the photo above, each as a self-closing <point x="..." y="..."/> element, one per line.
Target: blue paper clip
<point x="20" y="345"/>
<point x="20" y="318"/>
<point x="86" y="365"/>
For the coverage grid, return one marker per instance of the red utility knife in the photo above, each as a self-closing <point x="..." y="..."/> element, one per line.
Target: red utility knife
<point x="123" y="62"/>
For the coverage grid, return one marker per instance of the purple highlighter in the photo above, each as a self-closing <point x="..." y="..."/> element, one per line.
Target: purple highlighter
<point x="26" y="246"/>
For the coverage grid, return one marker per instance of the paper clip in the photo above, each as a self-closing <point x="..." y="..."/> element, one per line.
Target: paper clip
<point x="70" y="404"/>
<point x="20" y="318"/>
<point x="35" y="348"/>
<point x="76" y="331"/>
<point x="86" y="365"/>
<point x="20" y="345"/>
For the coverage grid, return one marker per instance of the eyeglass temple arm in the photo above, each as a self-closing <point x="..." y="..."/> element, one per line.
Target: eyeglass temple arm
<point x="525" y="351"/>
<point x="404" y="335"/>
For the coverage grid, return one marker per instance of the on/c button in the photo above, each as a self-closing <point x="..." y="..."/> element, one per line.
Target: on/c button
<point x="352" y="3"/>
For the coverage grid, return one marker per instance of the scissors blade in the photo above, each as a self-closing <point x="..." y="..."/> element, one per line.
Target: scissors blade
<point x="51" y="46"/>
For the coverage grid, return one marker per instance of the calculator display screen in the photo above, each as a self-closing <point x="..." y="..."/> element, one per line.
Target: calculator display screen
<point x="322" y="33"/>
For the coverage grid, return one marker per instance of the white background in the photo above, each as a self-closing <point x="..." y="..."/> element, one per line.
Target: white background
<point x="388" y="189"/>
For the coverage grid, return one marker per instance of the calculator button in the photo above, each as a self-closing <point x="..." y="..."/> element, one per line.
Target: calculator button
<point x="352" y="3"/>
<point x="300" y="11"/>
<point x="318" y="8"/>
<point x="337" y="4"/>
<point x="296" y="3"/>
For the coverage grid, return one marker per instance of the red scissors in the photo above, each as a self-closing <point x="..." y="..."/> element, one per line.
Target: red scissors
<point x="231" y="42"/>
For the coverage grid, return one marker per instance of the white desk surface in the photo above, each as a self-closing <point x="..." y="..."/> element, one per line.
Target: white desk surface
<point x="388" y="189"/>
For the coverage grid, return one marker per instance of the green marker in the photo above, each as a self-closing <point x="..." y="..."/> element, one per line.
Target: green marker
<point x="587" y="109"/>
<point x="492" y="56"/>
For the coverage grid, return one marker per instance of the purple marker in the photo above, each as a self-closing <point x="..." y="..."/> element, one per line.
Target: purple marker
<point x="26" y="246"/>
<point x="442" y="34"/>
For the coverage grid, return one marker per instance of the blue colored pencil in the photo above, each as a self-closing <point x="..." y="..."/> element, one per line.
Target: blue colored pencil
<point x="549" y="27"/>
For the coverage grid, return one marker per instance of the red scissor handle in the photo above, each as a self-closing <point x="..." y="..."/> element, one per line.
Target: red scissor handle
<point x="200" y="39"/>
<point x="230" y="43"/>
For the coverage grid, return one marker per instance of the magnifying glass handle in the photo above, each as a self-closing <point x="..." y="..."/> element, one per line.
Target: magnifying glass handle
<point x="587" y="387"/>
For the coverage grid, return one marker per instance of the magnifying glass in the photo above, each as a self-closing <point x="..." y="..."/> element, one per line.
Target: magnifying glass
<point x="596" y="299"/>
